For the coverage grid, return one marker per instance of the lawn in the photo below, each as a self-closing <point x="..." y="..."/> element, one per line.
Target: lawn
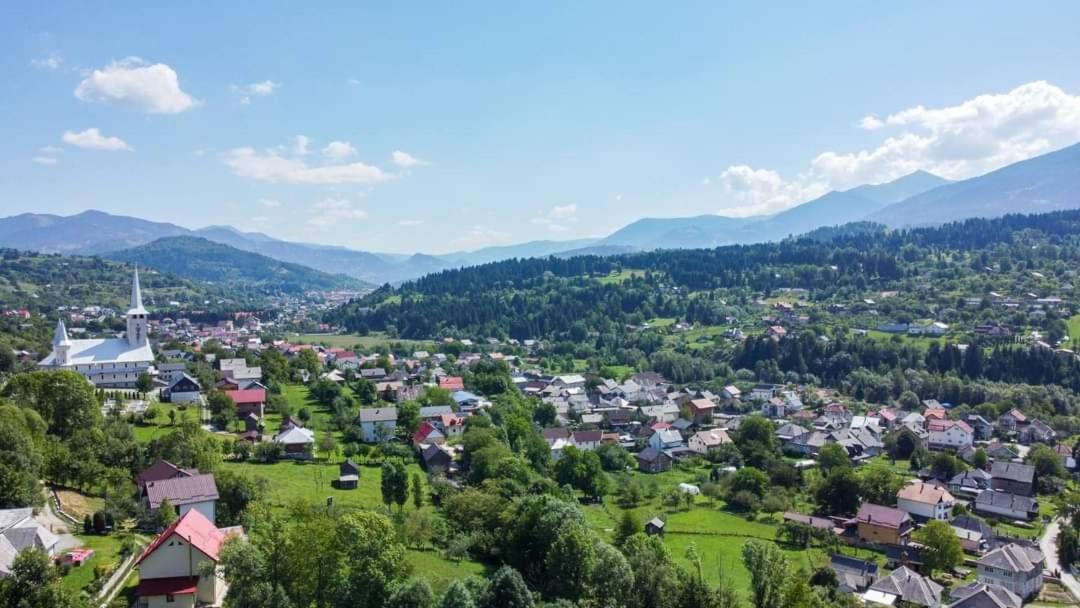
<point x="920" y="341"/>
<point x="162" y="425"/>
<point x="79" y="505"/>
<point x="619" y="277"/>
<point x="1074" y="331"/>
<point x="440" y="572"/>
<point x="310" y="481"/>
<point x="373" y="340"/>
<point x="106" y="551"/>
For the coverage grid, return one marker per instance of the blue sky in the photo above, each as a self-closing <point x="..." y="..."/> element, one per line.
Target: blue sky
<point x="460" y="125"/>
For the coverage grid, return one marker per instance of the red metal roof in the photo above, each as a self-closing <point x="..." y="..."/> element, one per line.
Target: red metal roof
<point x="181" y="490"/>
<point x="177" y="585"/>
<point x="451" y="383"/>
<point x="248" y="396"/>
<point x="195" y="529"/>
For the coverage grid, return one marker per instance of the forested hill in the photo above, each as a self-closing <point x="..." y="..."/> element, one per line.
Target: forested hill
<point x="593" y="296"/>
<point x="42" y="282"/>
<point x="203" y="260"/>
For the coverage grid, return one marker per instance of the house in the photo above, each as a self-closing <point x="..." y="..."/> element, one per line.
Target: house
<point x="432" y="413"/>
<point x="654" y="527"/>
<point x="162" y="469"/>
<point x="665" y="439"/>
<point x="925" y="501"/>
<point x="883" y="525"/>
<point x="436" y="458"/>
<point x="702" y="441"/>
<point x="853" y="575"/>
<point x="1013" y="477"/>
<point x="19" y="530"/>
<point x="1004" y="504"/>
<point x="970" y="482"/>
<point x="701" y="410"/>
<point x="249" y="401"/>
<point x="982" y="595"/>
<point x="586" y="440"/>
<point x="1000" y="451"/>
<point x="427" y="433"/>
<point x="377" y="423"/>
<point x="983" y="428"/>
<point x="652" y="460"/>
<point x="179" y="567"/>
<point x="569" y="381"/>
<point x="907" y="586"/>
<point x="348" y="475"/>
<point x="183" y="389"/>
<point x="731" y="392"/>
<point x="185" y="493"/>
<point x="297" y="441"/>
<point x="949" y="434"/>
<point x="1037" y="431"/>
<point x="169" y="372"/>
<point x="789" y="431"/>
<point x="451" y="424"/>
<point x="819" y="523"/>
<point x="465" y="399"/>
<point x="762" y="392"/>
<point x="1011" y="420"/>
<point x="1015" y="567"/>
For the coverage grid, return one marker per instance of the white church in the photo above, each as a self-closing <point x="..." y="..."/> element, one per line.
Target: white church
<point x="111" y="362"/>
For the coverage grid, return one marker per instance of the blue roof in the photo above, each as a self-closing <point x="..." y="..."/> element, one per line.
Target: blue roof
<point x="463" y="396"/>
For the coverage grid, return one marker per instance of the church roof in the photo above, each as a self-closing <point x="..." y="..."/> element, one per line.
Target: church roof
<point x="136" y="305"/>
<point x="99" y="351"/>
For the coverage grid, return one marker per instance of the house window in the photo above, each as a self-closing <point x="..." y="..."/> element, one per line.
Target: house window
<point x="169" y="598"/>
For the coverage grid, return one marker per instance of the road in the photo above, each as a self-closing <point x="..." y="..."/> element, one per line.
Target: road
<point x="57" y="525"/>
<point x="1048" y="546"/>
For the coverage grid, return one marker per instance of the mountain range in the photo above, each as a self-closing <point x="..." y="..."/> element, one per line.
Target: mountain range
<point x="1044" y="183"/>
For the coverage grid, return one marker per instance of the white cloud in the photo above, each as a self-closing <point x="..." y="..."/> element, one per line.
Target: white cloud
<point x="339" y="149"/>
<point x="410" y="222"/>
<point x="301" y="145"/>
<point x="557" y="218"/>
<point x="258" y="89"/>
<point x="269" y="202"/>
<point x="92" y="139"/>
<point x="44" y="160"/>
<point x="272" y="166"/>
<point x="406" y="160"/>
<point x="151" y="88"/>
<point x="50" y="149"/>
<point x="52" y="61"/>
<point x="331" y="212"/>
<point x="979" y="135"/>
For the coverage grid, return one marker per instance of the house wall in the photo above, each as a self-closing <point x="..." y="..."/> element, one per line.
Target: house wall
<point x="189" y="397"/>
<point x="175" y="557"/>
<point x="1024" y="585"/>
<point x="207" y="508"/>
<point x="992" y="510"/>
<point x="368" y="430"/>
<point x="878" y="534"/>
<point x="942" y="511"/>
<point x="160" y="601"/>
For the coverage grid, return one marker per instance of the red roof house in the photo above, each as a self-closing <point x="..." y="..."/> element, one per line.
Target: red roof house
<point x="249" y="401"/>
<point x="169" y="568"/>
<point x="452" y="383"/>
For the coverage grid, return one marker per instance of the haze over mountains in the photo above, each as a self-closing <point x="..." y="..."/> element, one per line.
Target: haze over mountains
<point x="1045" y="183"/>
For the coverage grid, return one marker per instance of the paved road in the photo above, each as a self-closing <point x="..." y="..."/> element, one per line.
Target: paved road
<point x="58" y="526"/>
<point x="1048" y="546"/>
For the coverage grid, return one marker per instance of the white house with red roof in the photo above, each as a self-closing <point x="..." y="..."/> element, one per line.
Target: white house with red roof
<point x="949" y="434"/>
<point x="171" y="570"/>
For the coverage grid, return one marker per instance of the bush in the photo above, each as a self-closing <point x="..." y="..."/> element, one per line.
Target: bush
<point x="745" y="500"/>
<point x="268" y="452"/>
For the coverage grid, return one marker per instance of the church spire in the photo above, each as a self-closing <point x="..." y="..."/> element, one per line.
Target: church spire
<point x="60" y="336"/>
<point x="136" y="295"/>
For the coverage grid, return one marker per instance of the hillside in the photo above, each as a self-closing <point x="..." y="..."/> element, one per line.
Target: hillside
<point x="203" y="260"/>
<point x="1045" y="183"/>
<point x="43" y="282"/>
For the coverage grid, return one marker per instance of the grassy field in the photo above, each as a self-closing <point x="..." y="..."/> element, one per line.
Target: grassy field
<point x="440" y="572"/>
<point x="921" y="341"/>
<point x="1074" y="331"/>
<point x="619" y="277"/>
<point x="162" y="425"/>
<point x="106" y="551"/>
<point x="373" y="340"/>
<point x="79" y="505"/>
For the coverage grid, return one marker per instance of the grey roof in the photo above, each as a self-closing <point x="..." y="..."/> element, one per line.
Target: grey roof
<point x="434" y="411"/>
<point x="378" y="414"/>
<point x="182" y="490"/>
<point x="1013" y="558"/>
<point x="910" y="587"/>
<point x="19" y="530"/>
<point x="983" y="595"/>
<point x="1013" y="471"/>
<point x="1005" y="500"/>
<point x="974" y="479"/>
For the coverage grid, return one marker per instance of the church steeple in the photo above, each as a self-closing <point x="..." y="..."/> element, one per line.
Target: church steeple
<point x="60" y="336"/>
<point x="136" y="315"/>
<point x="136" y="306"/>
<point x="61" y="344"/>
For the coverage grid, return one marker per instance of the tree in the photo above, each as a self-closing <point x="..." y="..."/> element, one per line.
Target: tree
<point x="756" y="441"/>
<point x="165" y="515"/>
<point x="946" y="465"/>
<point x="832" y="456"/>
<point x="570" y="562"/>
<point x="408" y="417"/>
<point x="394" y="484"/>
<point x="980" y="459"/>
<point x="222" y="408"/>
<point x="144" y="383"/>
<point x="1046" y="461"/>
<point x="749" y="479"/>
<point x="34" y="583"/>
<point x="417" y="491"/>
<point x="415" y="593"/>
<point x="838" y="493"/>
<point x="943" y="550"/>
<point x="627" y="526"/>
<point x="457" y="596"/>
<point x="507" y="590"/>
<point x="879" y="485"/>
<point x="327" y="444"/>
<point x="21" y="461"/>
<point x="375" y="558"/>
<point x="612" y="578"/>
<point x="65" y="400"/>
<point x="244" y="566"/>
<point x="768" y="573"/>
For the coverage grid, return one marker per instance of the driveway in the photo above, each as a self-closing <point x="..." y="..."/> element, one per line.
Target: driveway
<point x="1048" y="546"/>
<point x="48" y="518"/>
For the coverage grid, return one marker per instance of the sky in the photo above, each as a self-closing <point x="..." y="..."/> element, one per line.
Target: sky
<point x="437" y="127"/>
